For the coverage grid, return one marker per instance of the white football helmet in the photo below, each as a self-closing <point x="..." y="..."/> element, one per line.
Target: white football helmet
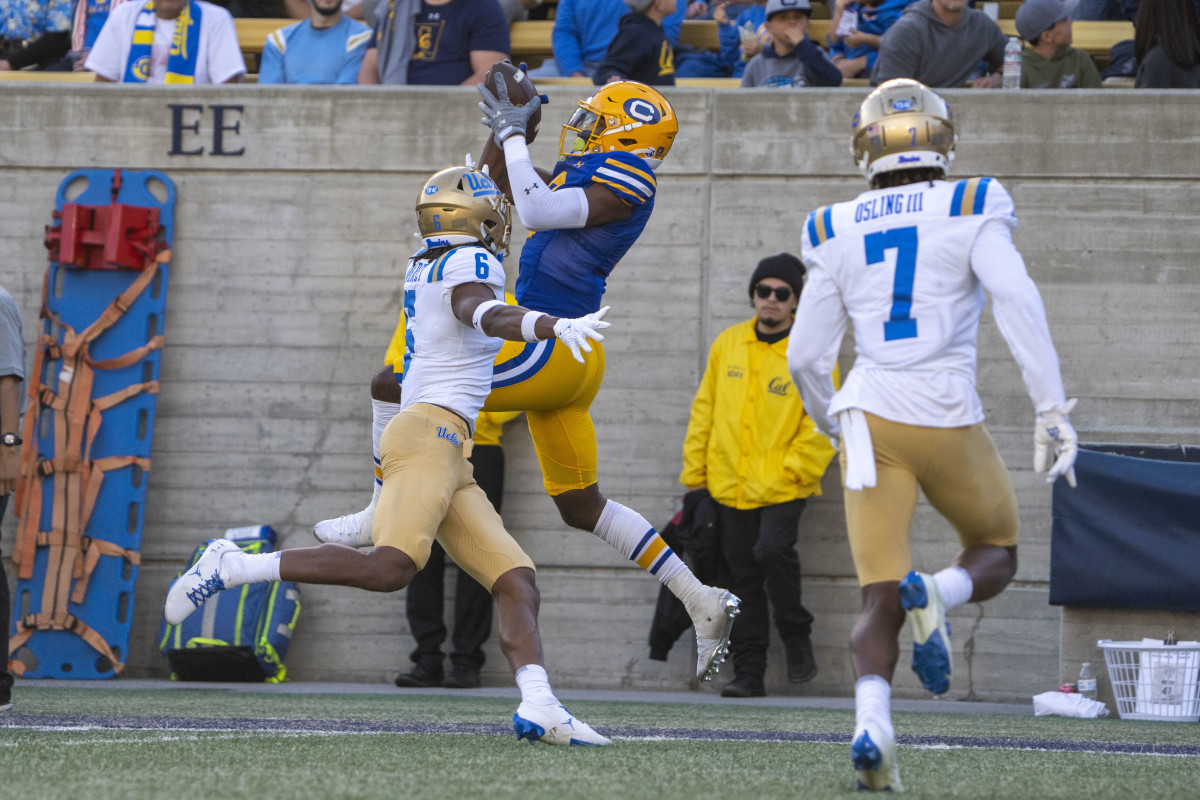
<point x="903" y="124"/>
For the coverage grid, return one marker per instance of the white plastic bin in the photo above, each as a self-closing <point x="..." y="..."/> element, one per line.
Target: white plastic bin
<point x="1152" y="680"/>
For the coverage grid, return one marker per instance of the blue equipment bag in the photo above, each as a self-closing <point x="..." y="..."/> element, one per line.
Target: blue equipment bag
<point x="240" y="634"/>
<point x="85" y="461"/>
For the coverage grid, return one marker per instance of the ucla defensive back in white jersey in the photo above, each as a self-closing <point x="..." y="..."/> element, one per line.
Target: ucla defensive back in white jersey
<point x="447" y="363"/>
<point x="908" y="262"/>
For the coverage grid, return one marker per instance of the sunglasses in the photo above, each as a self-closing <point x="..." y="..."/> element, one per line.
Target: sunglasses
<point x="782" y="293"/>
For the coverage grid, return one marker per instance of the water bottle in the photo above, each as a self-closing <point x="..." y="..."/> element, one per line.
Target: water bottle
<point x="1012" y="65"/>
<point x="1087" y="681"/>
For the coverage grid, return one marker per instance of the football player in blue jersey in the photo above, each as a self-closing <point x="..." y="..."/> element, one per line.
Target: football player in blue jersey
<point x="584" y="216"/>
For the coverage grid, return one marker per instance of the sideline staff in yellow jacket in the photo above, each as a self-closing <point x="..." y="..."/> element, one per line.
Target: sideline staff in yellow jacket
<point x="750" y="444"/>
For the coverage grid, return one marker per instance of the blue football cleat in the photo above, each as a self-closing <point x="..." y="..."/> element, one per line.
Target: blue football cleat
<point x="932" y="655"/>
<point x="875" y="764"/>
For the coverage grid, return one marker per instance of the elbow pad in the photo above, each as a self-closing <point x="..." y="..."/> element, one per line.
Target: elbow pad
<point x="538" y="207"/>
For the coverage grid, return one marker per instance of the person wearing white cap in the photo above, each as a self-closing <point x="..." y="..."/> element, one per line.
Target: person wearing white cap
<point x="1050" y="62"/>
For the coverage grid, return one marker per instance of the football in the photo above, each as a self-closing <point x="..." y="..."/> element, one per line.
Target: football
<point x="519" y="92"/>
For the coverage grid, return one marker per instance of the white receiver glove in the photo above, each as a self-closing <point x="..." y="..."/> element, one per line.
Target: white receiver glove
<point x="575" y="333"/>
<point x="1055" y="439"/>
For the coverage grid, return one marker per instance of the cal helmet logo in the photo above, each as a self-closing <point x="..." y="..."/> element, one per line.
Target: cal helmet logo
<point x="431" y="190"/>
<point x="642" y="110"/>
<point x="902" y="105"/>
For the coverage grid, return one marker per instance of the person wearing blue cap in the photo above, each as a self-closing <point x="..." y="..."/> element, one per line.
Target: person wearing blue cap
<point x="1050" y="62"/>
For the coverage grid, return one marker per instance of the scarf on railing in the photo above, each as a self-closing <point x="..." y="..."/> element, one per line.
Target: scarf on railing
<point x="185" y="46"/>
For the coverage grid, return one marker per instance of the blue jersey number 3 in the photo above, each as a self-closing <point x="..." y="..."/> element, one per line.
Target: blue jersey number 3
<point x="904" y="242"/>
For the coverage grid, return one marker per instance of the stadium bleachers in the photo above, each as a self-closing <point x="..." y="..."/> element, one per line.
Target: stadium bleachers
<point x="531" y="40"/>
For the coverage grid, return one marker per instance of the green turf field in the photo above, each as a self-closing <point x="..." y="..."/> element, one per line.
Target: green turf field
<point x="123" y="743"/>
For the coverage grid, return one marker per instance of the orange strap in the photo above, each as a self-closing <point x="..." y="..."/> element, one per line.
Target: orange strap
<point x="77" y="479"/>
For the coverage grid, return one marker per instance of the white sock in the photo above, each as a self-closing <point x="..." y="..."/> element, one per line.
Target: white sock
<point x="250" y="568"/>
<point x="955" y="586"/>
<point x="873" y="703"/>
<point x="535" y="686"/>
<point x="636" y="539"/>
<point x="381" y="414"/>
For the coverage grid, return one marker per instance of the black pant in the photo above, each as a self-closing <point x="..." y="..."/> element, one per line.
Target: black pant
<point x="6" y="679"/>
<point x="759" y="546"/>
<point x="472" y="602"/>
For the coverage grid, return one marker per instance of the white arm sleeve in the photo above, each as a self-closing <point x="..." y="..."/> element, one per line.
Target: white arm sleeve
<point x="539" y="208"/>
<point x="1019" y="313"/>
<point x="813" y="346"/>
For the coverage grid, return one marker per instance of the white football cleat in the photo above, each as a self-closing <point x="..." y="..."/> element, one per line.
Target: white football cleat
<point x="352" y="529"/>
<point x="554" y="725"/>
<point x="202" y="581"/>
<point x="875" y="762"/>
<point x="712" y="612"/>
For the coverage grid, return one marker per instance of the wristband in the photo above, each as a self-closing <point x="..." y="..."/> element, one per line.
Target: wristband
<point x="480" y="310"/>
<point x="527" y="324"/>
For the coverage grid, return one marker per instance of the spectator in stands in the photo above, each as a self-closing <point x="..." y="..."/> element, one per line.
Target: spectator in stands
<point x="691" y="62"/>
<point x="1050" y="62"/>
<point x="326" y="48"/>
<point x="754" y="449"/>
<point x="1167" y="45"/>
<point x="640" y="50"/>
<point x="583" y="29"/>
<point x="855" y="52"/>
<point x="12" y="373"/>
<point x="211" y="54"/>
<point x="472" y="603"/>
<point x="941" y="44"/>
<point x="89" y="19"/>
<point x="434" y="42"/>
<point x="34" y="33"/>
<point x="743" y="37"/>
<point x="791" y="59"/>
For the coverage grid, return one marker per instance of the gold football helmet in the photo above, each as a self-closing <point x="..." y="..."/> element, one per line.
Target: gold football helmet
<point x="461" y="204"/>
<point x="903" y="124"/>
<point x="624" y="115"/>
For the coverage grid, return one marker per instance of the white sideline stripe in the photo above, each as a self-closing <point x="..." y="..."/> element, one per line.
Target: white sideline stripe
<point x="192" y="734"/>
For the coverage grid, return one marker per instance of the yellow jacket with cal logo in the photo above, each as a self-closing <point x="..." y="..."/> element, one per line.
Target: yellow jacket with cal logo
<point x="748" y="438"/>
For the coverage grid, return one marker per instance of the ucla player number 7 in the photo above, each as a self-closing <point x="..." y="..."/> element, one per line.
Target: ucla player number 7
<point x="908" y="262"/>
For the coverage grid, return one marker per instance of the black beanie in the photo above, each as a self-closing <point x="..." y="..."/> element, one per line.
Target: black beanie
<point x="785" y="266"/>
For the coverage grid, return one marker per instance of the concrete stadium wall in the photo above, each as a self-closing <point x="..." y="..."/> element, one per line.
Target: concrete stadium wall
<point x="294" y="219"/>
